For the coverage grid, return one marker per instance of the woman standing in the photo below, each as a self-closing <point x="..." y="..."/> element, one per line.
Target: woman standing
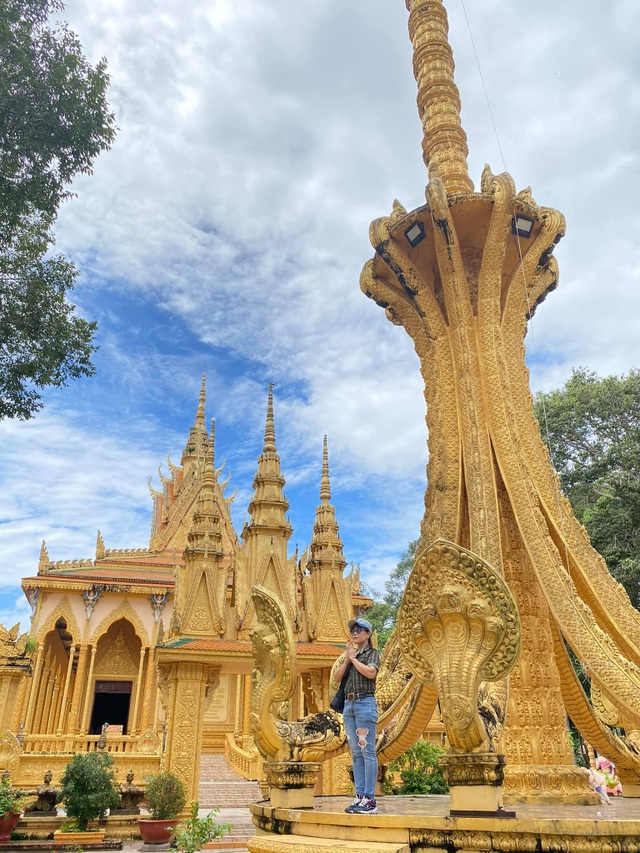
<point x="360" y="713"/>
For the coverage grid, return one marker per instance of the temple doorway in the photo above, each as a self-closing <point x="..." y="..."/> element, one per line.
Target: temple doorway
<point x="111" y="703"/>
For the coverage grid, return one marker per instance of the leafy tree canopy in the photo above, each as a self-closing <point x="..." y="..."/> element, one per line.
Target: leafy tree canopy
<point x="89" y="787"/>
<point x="592" y="429"/>
<point x="54" y="121"/>
<point x="383" y="613"/>
<point x="419" y="770"/>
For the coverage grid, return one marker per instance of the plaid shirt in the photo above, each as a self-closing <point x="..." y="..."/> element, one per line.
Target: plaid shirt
<point x="356" y="682"/>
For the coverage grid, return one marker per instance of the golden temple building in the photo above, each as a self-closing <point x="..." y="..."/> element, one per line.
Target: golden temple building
<point x="148" y="649"/>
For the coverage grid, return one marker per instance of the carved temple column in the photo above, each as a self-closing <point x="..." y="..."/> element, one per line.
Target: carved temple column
<point x="43" y="696"/>
<point x="88" y="695"/>
<point x="134" y="718"/>
<point x="187" y="689"/>
<point x="246" y="704"/>
<point x="52" y="705"/>
<point x="65" y="693"/>
<point x="148" y="716"/>
<point x="11" y="685"/>
<point x="33" y="693"/>
<point x="75" y="716"/>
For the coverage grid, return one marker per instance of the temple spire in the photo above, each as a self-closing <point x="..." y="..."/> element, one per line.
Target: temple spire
<point x="325" y="485"/>
<point x="195" y="450"/>
<point x="444" y="143"/>
<point x="326" y="545"/>
<point x="201" y="401"/>
<point x="212" y="449"/>
<point x="270" y="429"/>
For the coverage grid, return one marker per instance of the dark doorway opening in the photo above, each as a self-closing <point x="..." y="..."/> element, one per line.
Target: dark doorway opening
<point x="111" y="703"/>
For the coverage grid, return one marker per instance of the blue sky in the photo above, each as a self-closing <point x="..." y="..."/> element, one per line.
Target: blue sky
<point x="228" y="226"/>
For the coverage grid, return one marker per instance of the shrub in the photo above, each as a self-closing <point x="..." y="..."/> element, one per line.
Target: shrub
<point x="164" y="796"/>
<point x="89" y="787"/>
<point x="198" y="831"/>
<point x="10" y="800"/>
<point x="420" y="770"/>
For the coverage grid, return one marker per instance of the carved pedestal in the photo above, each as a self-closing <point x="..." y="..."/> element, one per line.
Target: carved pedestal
<point x="630" y="782"/>
<point x="475" y="782"/>
<point x="291" y="783"/>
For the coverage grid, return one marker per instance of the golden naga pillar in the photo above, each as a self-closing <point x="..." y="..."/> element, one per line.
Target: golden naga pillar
<point x="458" y="626"/>
<point x="463" y="276"/>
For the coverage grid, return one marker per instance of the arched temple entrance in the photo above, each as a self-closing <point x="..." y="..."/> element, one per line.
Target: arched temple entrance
<point x="114" y="680"/>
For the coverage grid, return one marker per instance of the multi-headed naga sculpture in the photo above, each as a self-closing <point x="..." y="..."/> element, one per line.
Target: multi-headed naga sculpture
<point x="274" y="679"/>
<point x="458" y="626"/>
<point x="321" y="736"/>
<point x="463" y="275"/>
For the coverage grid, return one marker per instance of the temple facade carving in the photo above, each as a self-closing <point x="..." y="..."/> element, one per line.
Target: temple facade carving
<point x="130" y="641"/>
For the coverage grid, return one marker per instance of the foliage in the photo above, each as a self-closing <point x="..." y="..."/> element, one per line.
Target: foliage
<point x="54" y="121"/>
<point x="382" y="614"/>
<point x="592" y="428"/>
<point x="43" y="342"/>
<point x="577" y="746"/>
<point x="30" y="645"/>
<point x="420" y="770"/>
<point x="89" y="787"/>
<point x="164" y="796"/>
<point x="195" y="832"/>
<point x="10" y="800"/>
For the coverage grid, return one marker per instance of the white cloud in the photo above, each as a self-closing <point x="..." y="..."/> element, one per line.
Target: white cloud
<point x="229" y="224"/>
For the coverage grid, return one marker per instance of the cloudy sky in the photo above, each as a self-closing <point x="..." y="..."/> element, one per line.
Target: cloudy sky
<point x="227" y="228"/>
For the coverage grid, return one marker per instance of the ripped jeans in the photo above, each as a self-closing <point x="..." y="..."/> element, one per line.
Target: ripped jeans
<point x="360" y="717"/>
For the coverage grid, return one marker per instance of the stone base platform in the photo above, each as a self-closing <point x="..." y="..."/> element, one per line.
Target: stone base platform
<point x="41" y="828"/>
<point x="424" y="825"/>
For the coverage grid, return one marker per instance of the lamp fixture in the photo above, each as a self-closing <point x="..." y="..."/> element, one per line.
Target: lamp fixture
<point x="415" y="233"/>
<point x="522" y="226"/>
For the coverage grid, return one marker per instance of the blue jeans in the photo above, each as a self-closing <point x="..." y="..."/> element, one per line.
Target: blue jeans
<point x="360" y="717"/>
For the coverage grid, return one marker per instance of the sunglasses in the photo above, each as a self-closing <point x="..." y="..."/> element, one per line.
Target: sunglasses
<point x="357" y="629"/>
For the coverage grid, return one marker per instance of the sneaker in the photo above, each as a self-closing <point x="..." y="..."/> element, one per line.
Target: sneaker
<point x="366" y="806"/>
<point x="356" y="802"/>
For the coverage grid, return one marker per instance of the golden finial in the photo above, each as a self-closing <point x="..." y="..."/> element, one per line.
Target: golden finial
<point x="212" y="443"/>
<point x="325" y="486"/>
<point x="270" y="430"/>
<point x="100" y="549"/>
<point x="444" y="144"/>
<point x="43" y="562"/>
<point x="201" y="400"/>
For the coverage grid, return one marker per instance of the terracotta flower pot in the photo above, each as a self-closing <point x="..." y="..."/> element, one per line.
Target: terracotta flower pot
<point x="8" y="823"/>
<point x="156" y="831"/>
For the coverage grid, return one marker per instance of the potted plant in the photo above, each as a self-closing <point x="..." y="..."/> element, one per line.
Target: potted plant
<point x="165" y="798"/>
<point x="10" y="809"/>
<point x="195" y="832"/>
<point x="88" y="789"/>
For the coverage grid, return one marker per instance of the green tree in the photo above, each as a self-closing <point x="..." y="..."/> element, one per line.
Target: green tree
<point x="383" y="613"/>
<point x="420" y="770"/>
<point x="592" y="429"/>
<point x="54" y="121"/>
<point x="88" y="787"/>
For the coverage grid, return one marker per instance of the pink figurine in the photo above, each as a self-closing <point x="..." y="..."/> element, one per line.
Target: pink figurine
<point x="613" y="784"/>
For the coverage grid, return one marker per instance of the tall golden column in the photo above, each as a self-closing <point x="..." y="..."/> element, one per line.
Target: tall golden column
<point x="463" y="275"/>
<point x="444" y="144"/>
<point x="75" y="715"/>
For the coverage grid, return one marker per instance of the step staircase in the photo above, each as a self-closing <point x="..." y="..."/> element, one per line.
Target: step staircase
<point x="222" y="788"/>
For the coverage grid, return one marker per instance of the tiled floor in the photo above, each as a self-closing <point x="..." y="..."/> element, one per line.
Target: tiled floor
<point x="438" y="806"/>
